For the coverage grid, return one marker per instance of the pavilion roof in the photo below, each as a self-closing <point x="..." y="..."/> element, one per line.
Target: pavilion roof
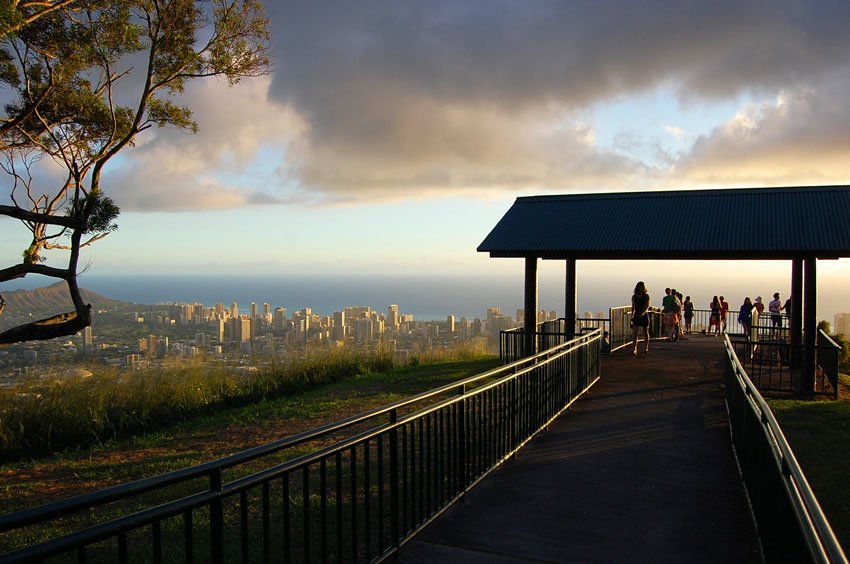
<point x="742" y="223"/>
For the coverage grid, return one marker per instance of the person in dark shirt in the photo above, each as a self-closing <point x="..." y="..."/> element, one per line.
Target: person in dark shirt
<point x="640" y="316"/>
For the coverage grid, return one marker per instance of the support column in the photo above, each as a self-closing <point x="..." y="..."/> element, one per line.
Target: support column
<point x="530" y="305"/>
<point x="796" y="319"/>
<point x="810" y="324"/>
<point x="570" y="297"/>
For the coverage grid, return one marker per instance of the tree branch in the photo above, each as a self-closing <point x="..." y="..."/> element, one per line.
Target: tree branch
<point x="21" y="270"/>
<point x="61" y="325"/>
<point x="24" y="215"/>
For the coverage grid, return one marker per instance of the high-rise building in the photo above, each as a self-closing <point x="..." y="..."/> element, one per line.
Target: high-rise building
<point x="353" y="313"/>
<point x="202" y="340"/>
<point x="87" y="339"/>
<point x="450" y="322"/>
<point x="492" y="312"/>
<point x="339" y="330"/>
<point x="161" y="347"/>
<point x="234" y="310"/>
<point x="279" y="319"/>
<point x="219" y="309"/>
<point x="363" y="331"/>
<point x="253" y="310"/>
<point x="267" y="310"/>
<point x="244" y="328"/>
<point x="842" y="324"/>
<point x="392" y="317"/>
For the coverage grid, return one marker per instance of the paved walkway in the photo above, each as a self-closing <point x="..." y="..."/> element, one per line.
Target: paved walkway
<point x="641" y="470"/>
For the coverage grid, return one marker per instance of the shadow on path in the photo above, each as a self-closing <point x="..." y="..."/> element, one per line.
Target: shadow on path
<point x="640" y="470"/>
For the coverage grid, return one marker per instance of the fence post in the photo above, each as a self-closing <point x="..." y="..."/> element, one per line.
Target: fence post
<point x="464" y="482"/>
<point x="394" y="520"/>
<point x="216" y="519"/>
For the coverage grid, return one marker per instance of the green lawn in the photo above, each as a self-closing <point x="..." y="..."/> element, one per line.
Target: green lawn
<point x="819" y="433"/>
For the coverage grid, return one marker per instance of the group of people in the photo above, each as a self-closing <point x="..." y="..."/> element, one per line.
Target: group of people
<point x="775" y="308"/>
<point x="718" y="308"/>
<point x="675" y="309"/>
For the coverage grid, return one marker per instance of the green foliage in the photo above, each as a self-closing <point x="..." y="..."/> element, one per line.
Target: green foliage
<point x="75" y="411"/>
<point x="819" y="434"/>
<point x="67" y="66"/>
<point x="844" y="355"/>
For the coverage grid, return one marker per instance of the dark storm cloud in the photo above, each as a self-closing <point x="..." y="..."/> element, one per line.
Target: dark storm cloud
<point x="431" y="95"/>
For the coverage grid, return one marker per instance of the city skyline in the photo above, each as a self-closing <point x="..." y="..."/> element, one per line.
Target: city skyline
<point x="391" y="138"/>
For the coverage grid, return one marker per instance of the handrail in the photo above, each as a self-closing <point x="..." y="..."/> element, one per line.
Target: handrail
<point x="57" y="509"/>
<point x="819" y="536"/>
<point x="557" y="369"/>
<point x="829" y="340"/>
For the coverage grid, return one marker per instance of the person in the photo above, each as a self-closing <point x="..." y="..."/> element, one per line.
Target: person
<point x="640" y="316"/>
<point x="775" y="309"/>
<point x="745" y="316"/>
<point x="668" y="309"/>
<point x="714" y="317"/>
<point x="680" y="332"/>
<point x="724" y="309"/>
<point x="688" y="306"/>
<point x="759" y="305"/>
<point x="787" y="308"/>
<point x="606" y="342"/>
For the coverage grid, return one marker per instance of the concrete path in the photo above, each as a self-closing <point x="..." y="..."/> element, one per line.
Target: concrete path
<point x="641" y="470"/>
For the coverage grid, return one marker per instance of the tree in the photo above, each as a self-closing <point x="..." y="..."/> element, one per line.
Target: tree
<point x="86" y="77"/>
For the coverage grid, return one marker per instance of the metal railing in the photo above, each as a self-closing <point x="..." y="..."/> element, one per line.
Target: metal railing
<point x="547" y="334"/>
<point x="621" y="334"/>
<point x="791" y="524"/>
<point x="768" y="359"/>
<point x="353" y="490"/>
<point x="828" y="358"/>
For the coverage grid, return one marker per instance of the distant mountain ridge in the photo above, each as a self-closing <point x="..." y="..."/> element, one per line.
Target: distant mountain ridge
<point x="52" y="299"/>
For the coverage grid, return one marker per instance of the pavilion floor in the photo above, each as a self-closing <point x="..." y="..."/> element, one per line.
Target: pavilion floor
<point x="639" y="470"/>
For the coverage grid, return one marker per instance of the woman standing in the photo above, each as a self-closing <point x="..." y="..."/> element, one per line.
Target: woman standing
<point x="714" y="319"/>
<point x="640" y="316"/>
<point x="745" y="316"/>
<point x="688" y="306"/>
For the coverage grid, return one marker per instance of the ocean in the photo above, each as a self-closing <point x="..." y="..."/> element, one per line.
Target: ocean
<point x="427" y="298"/>
<point x="432" y="297"/>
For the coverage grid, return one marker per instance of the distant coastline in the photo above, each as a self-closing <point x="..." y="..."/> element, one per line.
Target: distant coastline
<point x="426" y="297"/>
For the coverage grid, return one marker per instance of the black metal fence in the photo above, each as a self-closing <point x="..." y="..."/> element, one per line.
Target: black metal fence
<point x="547" y="334"/>
<point x="770" y="362"/>
<point x="353" y="490"/>
<point x="621" y="333"/>
<point x="791" y="524"/>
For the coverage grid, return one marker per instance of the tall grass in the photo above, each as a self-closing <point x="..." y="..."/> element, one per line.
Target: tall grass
<point x="60" y="413"/>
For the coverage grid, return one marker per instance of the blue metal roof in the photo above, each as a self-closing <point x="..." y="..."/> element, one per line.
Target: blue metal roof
<point x="780" y="223"/>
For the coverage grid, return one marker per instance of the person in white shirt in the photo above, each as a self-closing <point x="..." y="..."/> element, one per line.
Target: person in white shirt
<point x="775" y="309"/>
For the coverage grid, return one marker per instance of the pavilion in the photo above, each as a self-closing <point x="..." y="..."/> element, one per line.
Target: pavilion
<point x="801" y="224"/>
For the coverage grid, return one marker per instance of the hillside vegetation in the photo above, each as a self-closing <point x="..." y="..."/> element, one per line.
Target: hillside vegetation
<point x="218" y="432"/>
<point x="48" y="301"/>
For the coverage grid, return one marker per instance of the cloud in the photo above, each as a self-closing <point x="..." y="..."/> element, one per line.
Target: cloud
<point x="675" y="131"/>
<point x="401" y="98"/>
<point x="800" y="137"/>
<point x="377" y="100"/>
<point x="217" y="168"/>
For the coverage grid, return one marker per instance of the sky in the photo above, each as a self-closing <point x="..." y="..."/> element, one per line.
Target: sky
<point x="391" y="136"/>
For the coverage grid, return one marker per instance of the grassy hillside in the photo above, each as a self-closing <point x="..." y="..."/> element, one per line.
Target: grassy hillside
<point x="213" y="435"/>
<point x="819" y="433"/>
